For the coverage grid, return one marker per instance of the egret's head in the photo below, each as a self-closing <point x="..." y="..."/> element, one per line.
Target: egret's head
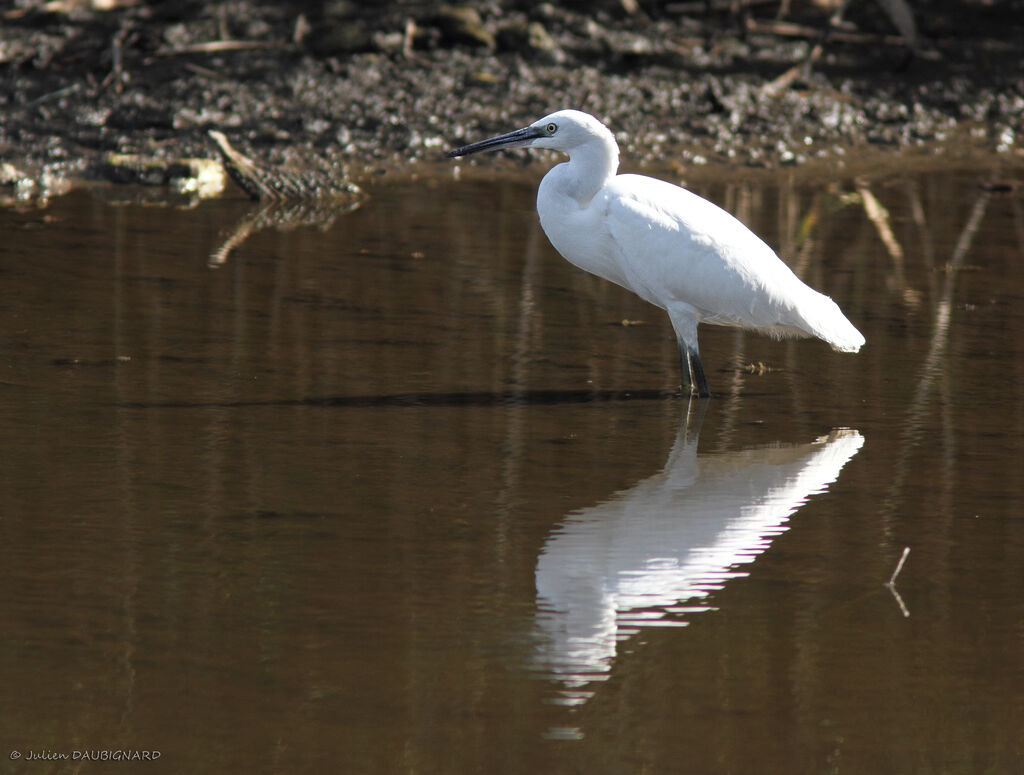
<point x="562" y="130"/>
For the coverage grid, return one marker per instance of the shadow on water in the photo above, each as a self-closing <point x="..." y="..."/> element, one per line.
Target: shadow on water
<point x="503" y="398"/>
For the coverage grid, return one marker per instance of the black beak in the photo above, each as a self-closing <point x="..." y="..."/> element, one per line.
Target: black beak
<point x="514" y="139"/>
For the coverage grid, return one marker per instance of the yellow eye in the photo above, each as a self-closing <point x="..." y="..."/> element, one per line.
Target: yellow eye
<point x="551" y="128"/>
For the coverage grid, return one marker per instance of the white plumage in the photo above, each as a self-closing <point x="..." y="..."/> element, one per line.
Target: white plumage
<point x="666" y="244"/>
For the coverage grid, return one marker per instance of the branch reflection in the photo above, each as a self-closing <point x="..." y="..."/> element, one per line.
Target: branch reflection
<point x="284" y="216"/>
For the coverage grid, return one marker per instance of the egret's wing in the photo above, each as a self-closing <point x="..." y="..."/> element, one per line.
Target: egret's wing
<point x="677" y="247"/>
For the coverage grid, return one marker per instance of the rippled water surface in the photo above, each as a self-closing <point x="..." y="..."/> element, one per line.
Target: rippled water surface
<point x="406" y="492"/>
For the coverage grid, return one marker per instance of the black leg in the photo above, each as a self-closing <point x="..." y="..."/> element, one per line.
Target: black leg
<point x="697" y="378"/>
<point x="689" y="363"/>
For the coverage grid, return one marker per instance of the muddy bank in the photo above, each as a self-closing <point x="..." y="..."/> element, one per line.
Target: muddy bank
<point x="362" y="90"/>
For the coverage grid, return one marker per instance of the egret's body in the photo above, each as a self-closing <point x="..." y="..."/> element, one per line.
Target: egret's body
<point x="669" y="246"/>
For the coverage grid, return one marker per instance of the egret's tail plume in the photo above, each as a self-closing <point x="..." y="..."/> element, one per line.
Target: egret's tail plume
<point x="850" y="345"/>
<point x="828" y="322"/>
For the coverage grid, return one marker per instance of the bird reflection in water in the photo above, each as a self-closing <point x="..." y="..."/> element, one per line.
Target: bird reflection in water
<point x="651" y="555"/>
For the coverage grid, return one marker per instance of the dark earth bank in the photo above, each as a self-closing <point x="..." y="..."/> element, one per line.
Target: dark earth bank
<point x="352" y="90"/>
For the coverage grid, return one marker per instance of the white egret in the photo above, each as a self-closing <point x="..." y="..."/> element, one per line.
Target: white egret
<point x="666" y="244"/>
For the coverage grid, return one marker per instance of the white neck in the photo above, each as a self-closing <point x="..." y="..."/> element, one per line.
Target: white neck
<point x="591" y="165"/>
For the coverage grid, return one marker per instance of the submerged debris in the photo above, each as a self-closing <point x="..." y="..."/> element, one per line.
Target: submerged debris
<point x="264" y="181"/>
<point x="758" y="369"/>
<point x="287" y="199"/>
<point x="201" y="177"/>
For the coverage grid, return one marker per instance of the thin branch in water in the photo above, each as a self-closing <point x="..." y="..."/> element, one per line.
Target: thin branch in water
<point x="899" y="566"/>
<point x="899" y="601"/>
<point x="891" y="583"/>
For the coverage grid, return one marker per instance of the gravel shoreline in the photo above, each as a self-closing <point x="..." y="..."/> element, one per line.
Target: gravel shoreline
<point x="361" y="91"/>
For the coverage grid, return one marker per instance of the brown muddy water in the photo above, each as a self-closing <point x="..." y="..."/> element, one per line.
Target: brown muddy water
<point x="403" y="493"/>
